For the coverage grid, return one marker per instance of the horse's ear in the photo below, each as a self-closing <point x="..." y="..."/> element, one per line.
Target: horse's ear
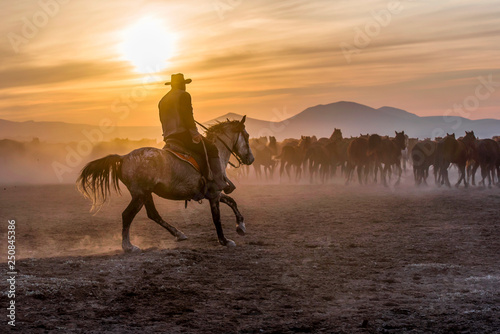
<point x="243" y="119"/>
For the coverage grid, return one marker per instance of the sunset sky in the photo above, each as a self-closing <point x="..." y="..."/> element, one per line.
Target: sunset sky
<point x="80" y="61"/>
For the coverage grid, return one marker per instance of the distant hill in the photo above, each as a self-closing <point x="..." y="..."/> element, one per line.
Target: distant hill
<point x="352" y="118"/>
<point x="355" y="119"/>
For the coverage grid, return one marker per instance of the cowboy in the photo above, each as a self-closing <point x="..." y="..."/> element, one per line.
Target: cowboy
<point x="176" y="116"/>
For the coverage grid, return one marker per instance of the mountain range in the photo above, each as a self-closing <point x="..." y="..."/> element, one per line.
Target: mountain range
<point x="352" y="118"/>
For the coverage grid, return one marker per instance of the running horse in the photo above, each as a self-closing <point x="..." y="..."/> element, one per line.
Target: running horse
<point x="450" y="150"/>
<point x="149" y="170"/>
<point x="484" y="153"/>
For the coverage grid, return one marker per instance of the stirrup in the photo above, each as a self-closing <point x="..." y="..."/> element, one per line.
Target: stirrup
<point x="230" y="186"/>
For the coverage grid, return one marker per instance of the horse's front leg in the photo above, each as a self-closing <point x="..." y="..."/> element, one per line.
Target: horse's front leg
<point x="214" y="207"/>
<point x="240" y="221"/>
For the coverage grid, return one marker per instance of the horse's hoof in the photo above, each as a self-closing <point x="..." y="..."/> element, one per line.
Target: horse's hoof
<point x="133" y="249"/>
<point x="230" y="243"/>
<point x="181" y="237"/>
<point x="240" y="229"/>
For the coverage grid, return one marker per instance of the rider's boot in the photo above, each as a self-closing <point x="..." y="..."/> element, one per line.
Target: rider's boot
<point x="230" y="188"/>
<point x="219" y="179"/>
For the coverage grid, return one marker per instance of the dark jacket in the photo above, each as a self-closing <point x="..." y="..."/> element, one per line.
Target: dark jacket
<point x="176" y="113"/>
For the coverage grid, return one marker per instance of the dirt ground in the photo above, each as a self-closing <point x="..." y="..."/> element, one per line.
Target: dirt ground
<point x="316" y="259"/>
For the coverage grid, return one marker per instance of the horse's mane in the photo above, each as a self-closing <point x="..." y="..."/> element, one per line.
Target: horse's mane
<point x="219" y="127"/>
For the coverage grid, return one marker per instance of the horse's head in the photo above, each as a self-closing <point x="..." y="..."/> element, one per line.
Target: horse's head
<point x="242" y="147"/>
<point x="469" y="139"/>
<point x="400" y="139"/>
<point x="336" y="135"/>
<point x="234" y="137"/>
<point x="305" y="142"/>
<point x="469" y="135"/>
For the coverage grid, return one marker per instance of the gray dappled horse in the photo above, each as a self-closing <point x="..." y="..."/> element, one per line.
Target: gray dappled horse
<point x="150" y="170"/>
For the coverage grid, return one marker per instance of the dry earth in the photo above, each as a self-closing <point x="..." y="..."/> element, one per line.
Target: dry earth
<point x="316" y="259"/>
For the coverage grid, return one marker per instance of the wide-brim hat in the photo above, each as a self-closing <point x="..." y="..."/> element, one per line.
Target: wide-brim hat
<point x="178" y="78"/>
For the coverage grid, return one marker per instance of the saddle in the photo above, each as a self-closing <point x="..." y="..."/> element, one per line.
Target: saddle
<point x="196" y="160"/>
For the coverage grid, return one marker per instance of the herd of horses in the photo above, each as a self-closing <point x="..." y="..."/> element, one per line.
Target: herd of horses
<point x="373" y="157"/>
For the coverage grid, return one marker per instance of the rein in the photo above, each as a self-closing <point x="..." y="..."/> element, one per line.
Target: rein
<point x="224" y="143"/>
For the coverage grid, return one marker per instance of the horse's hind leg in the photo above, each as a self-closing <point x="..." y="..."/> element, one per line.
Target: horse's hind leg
<point x="282" y="168"/>
<point x="155" y="216"/>
<point x="240" y="221"/>
<point x="385" y="174"/>
<point x="349" y="171"/>
<point x="446" y="179"/>
<point x="360" y="172"/>
<point x="214" y="207"/>
<point x="425" y="175"/>
<point x="257" y="172"/>
<point x="474" y="170"/>
<point x="400" y="171"/>
<point x="127" y="216"/>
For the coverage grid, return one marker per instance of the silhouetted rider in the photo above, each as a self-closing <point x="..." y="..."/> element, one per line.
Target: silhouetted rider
<point x="176" y="116"/>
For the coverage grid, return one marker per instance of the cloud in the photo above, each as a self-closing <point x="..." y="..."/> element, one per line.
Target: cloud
<point x="259" y="53"/>
<point x="57" y="74"/>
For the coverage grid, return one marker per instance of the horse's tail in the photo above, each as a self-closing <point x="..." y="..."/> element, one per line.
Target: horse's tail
<point x="94" y="179"/>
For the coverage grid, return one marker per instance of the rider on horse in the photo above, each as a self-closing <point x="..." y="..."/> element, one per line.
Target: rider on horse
<point x="176" y="116"/>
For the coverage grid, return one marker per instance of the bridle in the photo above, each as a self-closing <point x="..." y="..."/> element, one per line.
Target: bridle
<point x="231" y="150"/>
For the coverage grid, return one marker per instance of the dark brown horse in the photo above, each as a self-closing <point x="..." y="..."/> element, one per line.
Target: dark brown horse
<point x="472" y="165"/>
<point x="292" y="155"/>
<point x="451" y="151"/>
<point x="263" y="157"/>
<point x="498" y="164"/>
<point x="484" y="153"/>
<point x="357" y="158"/>
<point x="423" y="155"/>
<point x="319" y="161"/>
<point x="387" y="151"/>
<point x="337" y="151"/>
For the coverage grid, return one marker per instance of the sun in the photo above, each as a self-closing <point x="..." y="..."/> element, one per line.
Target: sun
<point x="148" y="45"/>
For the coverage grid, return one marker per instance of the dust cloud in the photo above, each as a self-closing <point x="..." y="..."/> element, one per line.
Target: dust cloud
<point x="38" y="162"/>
